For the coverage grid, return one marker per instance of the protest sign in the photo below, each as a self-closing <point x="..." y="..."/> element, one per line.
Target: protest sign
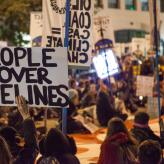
<point x="80" y="26"/>
<point x="87" y="123"/>
<point x="139" y="46"/>
<point x="103" y="28"/>
<point x="39" y="74"/>
<point x="152" y="107"/>
<point x="36" y="24"/>
<point x="145" y="86"/>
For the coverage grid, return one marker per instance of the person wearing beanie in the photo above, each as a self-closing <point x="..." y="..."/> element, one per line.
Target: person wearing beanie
<point x="141" y="130"/>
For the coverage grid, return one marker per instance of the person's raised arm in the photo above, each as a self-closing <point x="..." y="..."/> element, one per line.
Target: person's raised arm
<point x="29" y="128"/>
<point x="22" y="107"/>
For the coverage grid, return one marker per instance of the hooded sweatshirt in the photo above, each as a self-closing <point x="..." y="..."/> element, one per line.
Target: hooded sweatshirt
<point x="117" y="149"/>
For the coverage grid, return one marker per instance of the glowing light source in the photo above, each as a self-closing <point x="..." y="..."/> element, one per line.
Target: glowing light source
<point x="106" y="64"/>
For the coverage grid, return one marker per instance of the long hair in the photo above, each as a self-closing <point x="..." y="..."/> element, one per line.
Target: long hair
<point x="115" y="126"/>
<point x="5" y="155"/>
<point x="116" y="153"/>
<point x="56" y="143"/>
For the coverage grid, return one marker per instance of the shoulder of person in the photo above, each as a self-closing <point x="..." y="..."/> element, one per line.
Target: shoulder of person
<point x="46" y="160"/>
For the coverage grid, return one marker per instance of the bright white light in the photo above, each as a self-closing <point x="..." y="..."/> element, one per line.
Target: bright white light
<point x="141" y="97"/>
<point x="106" y="66"/>
<point x="27" y="38"/>
<point x="139" y="61"/>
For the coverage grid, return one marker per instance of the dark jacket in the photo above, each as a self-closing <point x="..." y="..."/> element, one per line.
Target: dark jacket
<point x="12" y="138"/>
<point x="104" y="108"/>
<point x="145" y="133"/>
<point x="117" y="149"/>
<point x="30" y="150"/>
<point x="57" y="145"/>
<point x="73" y="125"/>
<point x="48" y="160"/>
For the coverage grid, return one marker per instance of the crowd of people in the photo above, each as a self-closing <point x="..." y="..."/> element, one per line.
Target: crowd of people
<point x="124" y="147"/>
<point x="140" y="145"/>
<point x="53" y="148"/>
<point x="114" y="99"/>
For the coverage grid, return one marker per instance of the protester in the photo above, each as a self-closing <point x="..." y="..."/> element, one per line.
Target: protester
<point x="119" y="146"/>
<point x="72" y="84"/>
<point x="41" y="150"/>
<point x="105" y="107"/>
<point x="90" y="97"/>
<point x="73" y="125"/>
<point x="12" y="138"/>
<point x="63" y="148"/>
<point x="141" y="130"/>
<point x="29" y="152"/>
<point x="149" y="152"/>
<point x="81" y="88"/>
<point x="5" y="155"/>
<point x="15" y="120"/>
<point x="58" y="146"/>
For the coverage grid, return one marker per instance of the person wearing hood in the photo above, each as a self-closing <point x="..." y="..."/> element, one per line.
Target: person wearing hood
<point x="141" y="130"/>
<point x="119" y="147"/>
<point x="57" y="146"/>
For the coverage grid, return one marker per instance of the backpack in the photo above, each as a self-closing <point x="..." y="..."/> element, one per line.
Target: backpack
<point x="48" y="160"/>
<point x="129" y="157"/>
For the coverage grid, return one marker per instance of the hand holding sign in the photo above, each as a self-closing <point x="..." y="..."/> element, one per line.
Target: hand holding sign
<point x="22" y="107"/>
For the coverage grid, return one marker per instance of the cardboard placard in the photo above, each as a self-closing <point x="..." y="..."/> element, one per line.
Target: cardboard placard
<point x="38" y="74"/>
<point x="80" y="26"/>
<point x="145" y="86"/>
<point x="36" y="25"/>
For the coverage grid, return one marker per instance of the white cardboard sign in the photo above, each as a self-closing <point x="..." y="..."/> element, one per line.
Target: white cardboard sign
<point x="36" y="25"/>
<point x="145" y="86"/>
<point x="38" y="74"/>
<point x="80" y="26"/>
<point x="103" y="25"/>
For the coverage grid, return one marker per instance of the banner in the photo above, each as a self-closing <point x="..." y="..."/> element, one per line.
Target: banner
<point x="36" y="25"/>
<point x="103" y="29"/>
<point x="54" y="14"/>
<point x="145" y="86"/>
<point x="39" y="74"/>
<point x="152" y="107"/>
<point x="139" y="46"/>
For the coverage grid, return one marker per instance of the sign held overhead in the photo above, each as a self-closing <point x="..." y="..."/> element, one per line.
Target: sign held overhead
<point x="39" y="74"/>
